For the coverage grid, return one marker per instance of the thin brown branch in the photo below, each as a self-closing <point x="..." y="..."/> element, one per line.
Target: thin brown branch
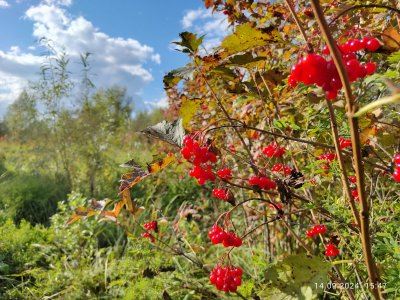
<point x="357" y="158"/>
<point x="344" y="177"/>
<point x="361" y="6"/>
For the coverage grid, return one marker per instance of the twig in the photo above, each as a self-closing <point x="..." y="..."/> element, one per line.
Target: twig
<point x="355" y="138"/>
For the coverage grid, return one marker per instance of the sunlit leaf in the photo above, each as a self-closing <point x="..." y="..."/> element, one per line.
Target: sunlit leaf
<point x="189" y="108"/>
<point x="189" y="42"/>
<point x="297" y="275"/>
<point x="170" y="132"/>
<point x="246" y="37"/>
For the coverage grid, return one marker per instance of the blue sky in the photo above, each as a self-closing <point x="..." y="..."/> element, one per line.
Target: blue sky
<point x="130" y="39"/>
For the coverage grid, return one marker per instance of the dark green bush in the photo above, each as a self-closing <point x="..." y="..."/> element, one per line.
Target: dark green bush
<point x="32" y="197"/>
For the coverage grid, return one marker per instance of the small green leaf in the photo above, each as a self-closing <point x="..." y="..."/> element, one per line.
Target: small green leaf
<point x="189" y="42"/>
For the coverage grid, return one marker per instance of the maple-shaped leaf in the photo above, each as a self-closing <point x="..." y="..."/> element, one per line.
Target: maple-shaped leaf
<point x="170" y="132"/>
<point x="189" y="42"/>
<point x="175" y="76"/>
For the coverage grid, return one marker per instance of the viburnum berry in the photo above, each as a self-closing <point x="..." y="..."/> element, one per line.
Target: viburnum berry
<point x="329" y="157"/>
<point x="202" y="174"/>
<point x="148" y="235"/>
<point x="371" y="44"/>
<point x="226" y="279"/>
<point x="262" y="182"/>
<point x="331" y="250"/>
<point x="315" y="69"/>
<point x="370" y="68"/>
<point x="196" y="154"/>
<point x="222" y="194"/>
<point x="151" y="226"/>
<point x="344" y="143"/>
<point x="354" y="193"/>
<point x="286" y="170"/>
<point x="396" y="174"/>
<point x="273" y="150"/>
<point x="225" y="173"/>
<point x="229" y="239"/>
<point x="352" y="179"/>
<point x="317" y="229"/>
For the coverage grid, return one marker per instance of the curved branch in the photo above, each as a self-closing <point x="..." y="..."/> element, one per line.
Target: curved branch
<point x="360" y="6"/>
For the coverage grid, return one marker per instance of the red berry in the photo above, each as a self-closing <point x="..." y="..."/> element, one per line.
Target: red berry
<point x="222" y="194"/>
<point x="370" y="68"/>
<point x="353" y="179"/>
<point x="331" y="95"/>
<point x="355" y="195"/>
<point x="396" y="174"/>
<point x="331" y="250"/>
<point x="226" y="279"/>
<point x="344" y="143"/>
<point x="373" y="44"/>
<point x="317" y="229"/>
<point x="225" y="173"/>
<point x="396" y="159"/>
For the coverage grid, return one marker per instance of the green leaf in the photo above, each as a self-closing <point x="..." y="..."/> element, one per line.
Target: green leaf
<point x="299" y="276"/>
<point x="247" y="37"/>
<point x="175" y="76"/>
<point x="189" y="42"/>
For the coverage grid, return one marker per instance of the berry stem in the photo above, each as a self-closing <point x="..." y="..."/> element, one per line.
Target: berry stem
<point x="298" y="23"/>
<point x="355" y="138"/>
<point x="344" y="175"/>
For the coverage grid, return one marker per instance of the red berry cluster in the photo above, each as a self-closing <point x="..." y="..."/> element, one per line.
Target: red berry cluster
<point x="202" y="173"/>
<point x="329" y="157"/>
<point x="273" y="150"/>
<point x="344" y="143"/>
<point x="396" y="173"/>
<point x="201" y="157"/>
<point x="317" y="229"/>
<point x="229" y="239"/>
<point x="226" y="279"/>
<point x="315" y="69"/>
<point x="286" y="170"/>
<point x="225" y="173"/>
<point x="149" y="227"/>
<point x="262" y="182"/>
<point x="222" y="194"/>
<point x="331" y="250"/>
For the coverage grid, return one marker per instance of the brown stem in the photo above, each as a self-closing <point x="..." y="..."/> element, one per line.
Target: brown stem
<point x="355" y="138"/>
<point x="344" y="177"/>
<point x="298" y="23"/>
<point x="231" y="120"/>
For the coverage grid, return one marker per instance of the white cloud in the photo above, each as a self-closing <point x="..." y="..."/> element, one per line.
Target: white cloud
<point x="158" y="103"/>
<point x="202" y="21"/>
<point x="114" y="60"/>
<point x="4" y="4"/>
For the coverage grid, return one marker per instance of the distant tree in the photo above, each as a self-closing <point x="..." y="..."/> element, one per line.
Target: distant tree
<point x="21" y="118"/>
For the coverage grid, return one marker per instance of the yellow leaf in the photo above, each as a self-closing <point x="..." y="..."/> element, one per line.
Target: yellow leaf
<point x="391" y="38"/>
<point x="189" y="108"/>
<point x="158" y="165"/>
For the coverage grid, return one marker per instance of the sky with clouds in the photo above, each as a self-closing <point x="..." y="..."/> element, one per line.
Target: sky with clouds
<point x="130" y="41"/>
